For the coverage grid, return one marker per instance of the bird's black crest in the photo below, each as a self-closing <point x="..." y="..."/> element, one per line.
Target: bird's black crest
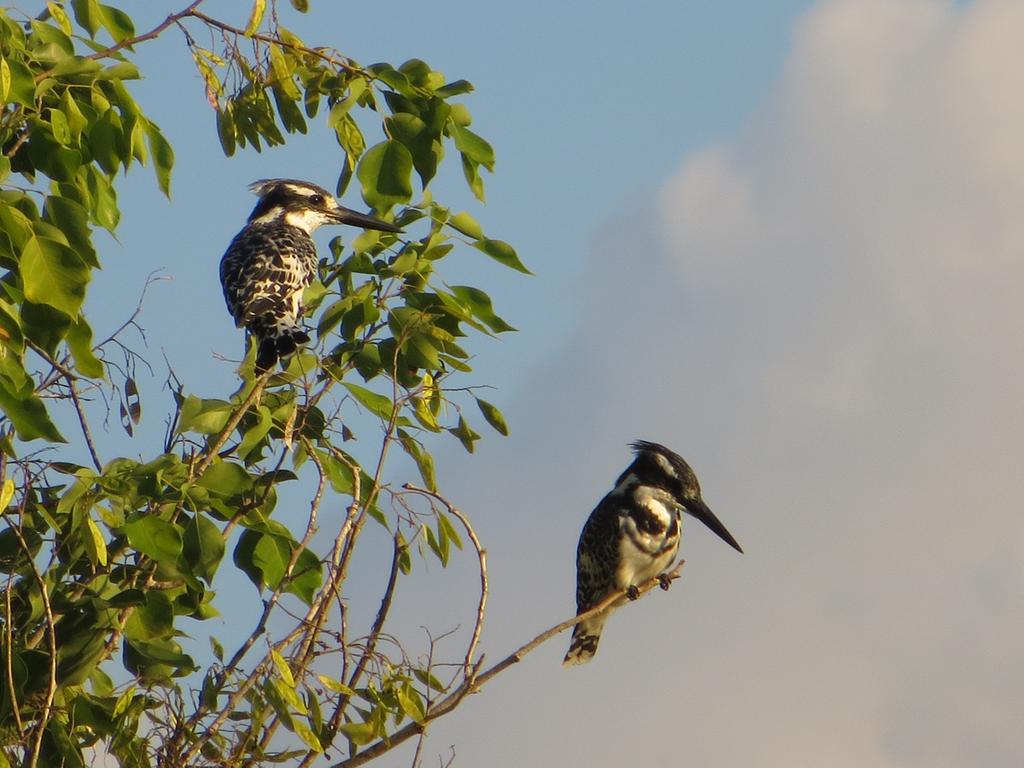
<point x="647" y="467"/>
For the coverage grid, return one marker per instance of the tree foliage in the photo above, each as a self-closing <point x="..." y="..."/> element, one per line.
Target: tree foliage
<point x="102" y="561"/>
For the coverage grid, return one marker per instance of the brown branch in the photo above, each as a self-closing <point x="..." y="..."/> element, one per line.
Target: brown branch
<point x="476" y="682"/>
<point x="174" y="18"/>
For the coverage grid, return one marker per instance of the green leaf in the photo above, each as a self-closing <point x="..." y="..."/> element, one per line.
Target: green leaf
<point x="95" y="543"/>
<point x="493" y="416"/>
<point x="264" y="557"/>
<point x="479" y="305"/>
<point x="226" y="131"/>
<point x="155" y="538"/>
<point x="6" y="493"/>
<point x="424" y="461"/>
<point x="467" y="225"/>
<point x="226" y="479"/>
<point x="454" y="88"/>
<point x="473" y="146"/>
<point x="470" y="169"/>
<point x="282" y="72"/>
<point x="207" y="417"/>
<point x="282" y="668"/>
<point x="465" y="434"/>
<point x="163" y="156"/>
<point x="53" y="274"/>
<point x="11" y="335"/>
<point x="79" y="340"/>
<point x="385" y="173"/>
<point x="255" y="17"/>
<point x="303" y="731"/>
<point x="105" y="138"/>
<point x="202" y="547"/>
<point x="359" y="733"/>
<point x="45" y="325"/>
<point x="5" y="80"/>
<point x="76" y="121"/>
<point x="302" y="6"/>
<point x="87" y="14"/>
<point x="59" y="126"/>
<point x="438" y="547"/>
<point x="157" y="659"/>
<point x="72" y="220"/>
<point x="335" y="685"/>
<point x="307" y="576"/>
<point x="425" y="677"/>
<point x="501" y="252"/>
<point x="421" y="141"/>
<point x="104" y="199"/>
<point x="117" y="23"/>
<point x="22" y="88"/>
<point x="375" y="403"/>
<point x="446" y="528"/>
<point x="256" y="432"/>
<point x="28" y="415"/>
<point x="60" y="16"/>
<point x="411" y="702"/>
<point x="152" y="620"/>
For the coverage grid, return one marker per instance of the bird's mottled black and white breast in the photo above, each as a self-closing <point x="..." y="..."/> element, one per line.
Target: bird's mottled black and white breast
<point x="265" y="270"/>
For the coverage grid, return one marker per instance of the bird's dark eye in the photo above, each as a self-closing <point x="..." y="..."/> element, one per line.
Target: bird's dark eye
<point x="317" y="199"/>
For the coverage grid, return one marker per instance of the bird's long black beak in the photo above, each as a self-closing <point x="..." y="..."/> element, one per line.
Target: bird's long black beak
<point x="700" y="510"/>
<point x="356" y="219"/>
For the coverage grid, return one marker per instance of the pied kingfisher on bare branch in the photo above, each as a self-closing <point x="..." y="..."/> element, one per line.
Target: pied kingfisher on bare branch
<point x="633" y="535"/>
<point x="273" y="260"/>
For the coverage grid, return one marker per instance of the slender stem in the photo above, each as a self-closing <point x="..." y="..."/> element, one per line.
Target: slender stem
<point x="481" y="554"/>
<point x="9" y="643"/>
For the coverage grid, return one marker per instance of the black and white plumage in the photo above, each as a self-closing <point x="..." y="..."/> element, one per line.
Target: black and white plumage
<point x="633" y="535"/>
<point x="273" y="260"/>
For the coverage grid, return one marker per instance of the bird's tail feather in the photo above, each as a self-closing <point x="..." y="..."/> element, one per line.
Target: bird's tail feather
<point x="585" y="637"/>
<point x="278" y="343"/>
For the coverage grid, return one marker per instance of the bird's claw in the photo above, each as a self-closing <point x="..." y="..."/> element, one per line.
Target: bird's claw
<point x="665" y="581"/>
<point x="632" y="593"/>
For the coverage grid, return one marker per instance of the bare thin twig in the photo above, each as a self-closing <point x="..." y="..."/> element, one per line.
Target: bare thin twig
<point x="481" y="554"/>
<point x="70" y="377"/>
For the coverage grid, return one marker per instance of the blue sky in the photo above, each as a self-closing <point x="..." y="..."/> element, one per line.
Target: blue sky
<point x="783" y="239"/>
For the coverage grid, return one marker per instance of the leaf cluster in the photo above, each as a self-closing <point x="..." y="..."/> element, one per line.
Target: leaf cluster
<point x="104" y="558"/>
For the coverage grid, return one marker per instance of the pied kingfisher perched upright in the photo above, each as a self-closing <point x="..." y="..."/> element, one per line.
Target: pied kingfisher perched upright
<point x="633" y="535"/>
<point x="273" y="259"/>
